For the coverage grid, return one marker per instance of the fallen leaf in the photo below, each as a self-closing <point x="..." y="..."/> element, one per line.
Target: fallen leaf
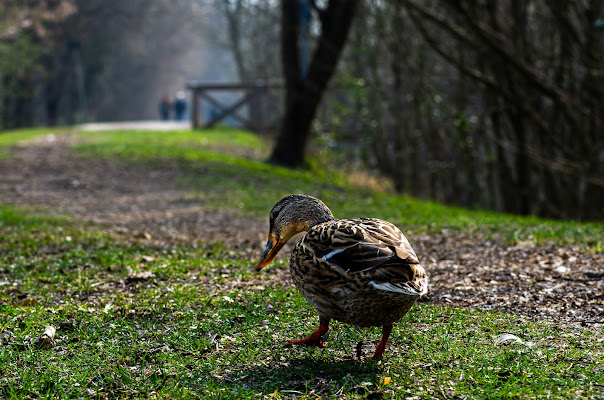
<point x="385" y="381"/>
<point x="26" y="303"/>
<point x="142" y="235"/>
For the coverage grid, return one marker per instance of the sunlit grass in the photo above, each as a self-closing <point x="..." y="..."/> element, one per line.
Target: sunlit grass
<point x="225" y="169"/>
<point x="13" y="137"/>
<point x="140" y="321"/>
<point x="182" y="145"/>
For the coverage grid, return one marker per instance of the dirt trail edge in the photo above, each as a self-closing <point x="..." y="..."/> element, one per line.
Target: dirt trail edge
<point x="558" y="284"/>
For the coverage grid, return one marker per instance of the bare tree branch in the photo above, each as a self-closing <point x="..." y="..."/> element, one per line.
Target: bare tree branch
<point x="497" y="43"/>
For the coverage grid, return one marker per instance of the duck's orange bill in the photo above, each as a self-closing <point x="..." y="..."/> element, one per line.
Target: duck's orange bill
<point x="272" y="248"/>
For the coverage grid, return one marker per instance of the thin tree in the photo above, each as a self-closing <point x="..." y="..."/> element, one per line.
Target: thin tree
<point x="304" y="92"/>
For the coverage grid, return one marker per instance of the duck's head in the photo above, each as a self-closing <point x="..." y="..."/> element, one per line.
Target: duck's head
<point x="291" y="215"/>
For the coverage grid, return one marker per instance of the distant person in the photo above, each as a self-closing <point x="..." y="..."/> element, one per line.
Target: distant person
<point x="164" y="108"/>
<point x="180" y="106"/>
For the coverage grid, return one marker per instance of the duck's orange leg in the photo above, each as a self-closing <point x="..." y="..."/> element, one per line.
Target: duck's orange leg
<point x="381" y="348"/>
<point x="315" y="338"/>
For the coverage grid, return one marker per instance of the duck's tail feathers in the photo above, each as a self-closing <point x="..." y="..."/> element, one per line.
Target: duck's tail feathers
<point x="409" y="288"/>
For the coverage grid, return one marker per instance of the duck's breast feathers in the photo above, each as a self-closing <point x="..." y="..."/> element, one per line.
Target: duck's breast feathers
<point x="369" y="249"/>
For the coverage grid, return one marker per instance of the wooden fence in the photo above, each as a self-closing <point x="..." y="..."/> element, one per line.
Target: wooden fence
<point x="261" y="98"/>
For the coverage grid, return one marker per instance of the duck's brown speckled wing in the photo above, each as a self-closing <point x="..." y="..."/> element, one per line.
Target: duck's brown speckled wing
<point x="361" y="244"/>
<point x="361" y="270"/>
<point x="373" y="247"/>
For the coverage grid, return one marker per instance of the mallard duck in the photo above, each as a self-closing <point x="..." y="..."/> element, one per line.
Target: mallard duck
<point x="358" y="271"/>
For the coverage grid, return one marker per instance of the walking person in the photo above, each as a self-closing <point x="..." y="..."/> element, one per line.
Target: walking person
<point x="180" y="106"/>
<point x="164" y="108"/>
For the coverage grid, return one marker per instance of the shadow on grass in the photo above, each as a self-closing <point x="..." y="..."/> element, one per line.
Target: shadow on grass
<point x="297" y="377"/>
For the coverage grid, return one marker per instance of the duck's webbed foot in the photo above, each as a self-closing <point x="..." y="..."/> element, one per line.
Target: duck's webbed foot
<point x="317" y="338"/>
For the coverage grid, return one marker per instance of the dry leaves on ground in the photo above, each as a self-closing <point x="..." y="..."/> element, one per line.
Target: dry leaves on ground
<point x="560" y="284"/>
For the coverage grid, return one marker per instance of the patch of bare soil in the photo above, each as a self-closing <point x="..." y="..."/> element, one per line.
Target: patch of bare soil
<point x="559" y="284"/>
<point x="145" y="201"/>
<point x="549" y="282"/>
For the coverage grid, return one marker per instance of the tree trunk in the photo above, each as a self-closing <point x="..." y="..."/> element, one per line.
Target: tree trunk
<point x="304" y="93"/>
<point x="291" y="143"/>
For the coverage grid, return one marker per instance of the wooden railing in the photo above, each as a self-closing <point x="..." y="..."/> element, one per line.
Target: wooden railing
<point x="262" y="99"/>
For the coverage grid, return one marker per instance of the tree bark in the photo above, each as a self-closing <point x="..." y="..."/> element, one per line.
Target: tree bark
<point x="304" y="93"/>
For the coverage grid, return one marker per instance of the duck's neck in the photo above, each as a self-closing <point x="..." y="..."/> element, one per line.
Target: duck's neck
<point x="303" y="216"/>
<point x="314" y="215"/>
<point x="317" y="213"/>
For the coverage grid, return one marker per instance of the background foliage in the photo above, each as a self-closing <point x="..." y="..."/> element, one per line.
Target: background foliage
<point x="492" y="105"/>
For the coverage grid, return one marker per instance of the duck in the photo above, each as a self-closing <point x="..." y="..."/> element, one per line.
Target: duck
<point x="360" y="271"/>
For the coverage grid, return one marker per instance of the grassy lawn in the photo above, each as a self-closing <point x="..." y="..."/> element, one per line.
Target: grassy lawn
<point x="11" y="138"/>
<point x="136" y="320"/>
<point x="221" y="178"/>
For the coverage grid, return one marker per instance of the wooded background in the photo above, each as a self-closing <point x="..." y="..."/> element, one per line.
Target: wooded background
<point x="495" y="104"/>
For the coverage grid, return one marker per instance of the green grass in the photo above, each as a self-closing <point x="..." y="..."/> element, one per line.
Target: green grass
<point x="224" y="169"/>
<point x="183" y="145"/>
<point x="142" y="320"/>
<point x="137" y="321"/>
<point x="11" y="138"/>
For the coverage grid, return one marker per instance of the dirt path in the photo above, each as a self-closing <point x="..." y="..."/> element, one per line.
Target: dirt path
<point x="561" y="284"/>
